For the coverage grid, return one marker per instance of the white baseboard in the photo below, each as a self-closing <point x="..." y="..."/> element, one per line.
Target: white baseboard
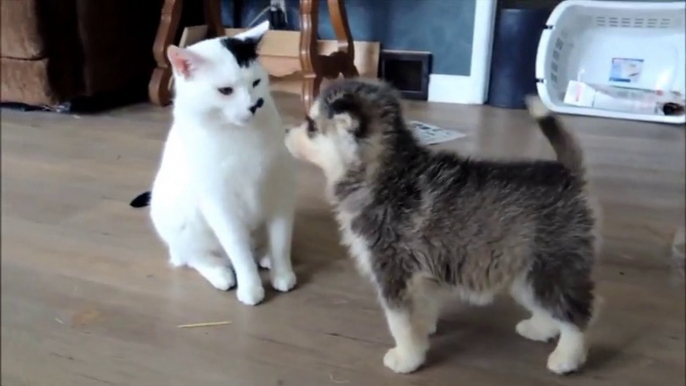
<point x="472" y="88"/>
<point x="454" y="89"/>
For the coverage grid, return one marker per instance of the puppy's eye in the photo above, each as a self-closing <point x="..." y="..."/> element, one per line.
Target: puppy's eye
<point x="255" y="83"/>
<point x="225" y="90"/>
<point x="311" y="126"/>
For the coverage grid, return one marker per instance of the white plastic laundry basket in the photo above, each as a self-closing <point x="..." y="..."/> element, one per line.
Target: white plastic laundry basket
<point x="583" y="36"/>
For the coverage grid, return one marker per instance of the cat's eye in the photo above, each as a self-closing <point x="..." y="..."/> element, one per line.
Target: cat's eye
<point x="225" y="90"/>
<point x="255" y="83"/>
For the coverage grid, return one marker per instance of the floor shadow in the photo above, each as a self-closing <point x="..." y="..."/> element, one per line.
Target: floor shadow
<point x="316" y="244"/>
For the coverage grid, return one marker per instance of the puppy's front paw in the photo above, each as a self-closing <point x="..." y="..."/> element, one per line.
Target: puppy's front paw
<point x="403" y="361"/>
<point x="564" y="361"/>
<point x="284" y="281"/>
<point x="537" y="330"/>
<point x="251" y="294"/>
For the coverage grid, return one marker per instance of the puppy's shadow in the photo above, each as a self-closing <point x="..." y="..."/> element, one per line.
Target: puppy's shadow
<point x="600" y="357"/>
<point x="479" y="335"/>
<point x="316" y="244"/>
<point x="474" y="336"/>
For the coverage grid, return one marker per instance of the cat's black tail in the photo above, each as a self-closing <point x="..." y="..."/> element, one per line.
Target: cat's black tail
<point x="141" y="201"/>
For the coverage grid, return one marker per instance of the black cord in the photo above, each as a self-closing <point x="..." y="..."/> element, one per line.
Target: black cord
<point x="277" y="18"/>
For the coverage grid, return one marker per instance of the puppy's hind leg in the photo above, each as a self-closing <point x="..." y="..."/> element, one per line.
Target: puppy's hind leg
<point x="410" y="323"/>
<point x="429" y="303"/>
<point x="565" y="291"/>
<point x="541" y="326"/>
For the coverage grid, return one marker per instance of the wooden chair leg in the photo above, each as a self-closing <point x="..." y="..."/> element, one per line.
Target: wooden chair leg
<point x="309" y="54"/>
<point x="158" y="88"/>
<point x="339" y="19"/>
<point x="310" y="90"/>
<point x="213" y="17"/>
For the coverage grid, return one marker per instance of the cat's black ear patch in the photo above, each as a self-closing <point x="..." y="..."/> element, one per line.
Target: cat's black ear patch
<point x="142" y="200"/>
<point x="244" y="50"/>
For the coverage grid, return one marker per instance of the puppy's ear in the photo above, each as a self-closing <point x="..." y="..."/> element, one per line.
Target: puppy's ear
<point x="183" y="61"/>
<point x="347" y="114"/>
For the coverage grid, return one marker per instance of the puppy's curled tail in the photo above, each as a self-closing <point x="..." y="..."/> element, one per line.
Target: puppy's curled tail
<point x="142" y="200"/>
<point x="570" y="155"/>
<point x="564" y="143"/>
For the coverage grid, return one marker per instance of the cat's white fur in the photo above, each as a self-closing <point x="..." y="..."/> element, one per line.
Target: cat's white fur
<point x="225" y="174"/>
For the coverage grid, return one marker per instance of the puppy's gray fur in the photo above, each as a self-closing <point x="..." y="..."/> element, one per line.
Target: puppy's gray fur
<point x="422" y="223"/>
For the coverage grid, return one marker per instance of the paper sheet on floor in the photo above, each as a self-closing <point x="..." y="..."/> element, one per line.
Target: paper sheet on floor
<point x="431" y="135"/>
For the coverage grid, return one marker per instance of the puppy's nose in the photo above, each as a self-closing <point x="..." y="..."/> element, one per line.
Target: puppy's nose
<point x="257" y="105"/>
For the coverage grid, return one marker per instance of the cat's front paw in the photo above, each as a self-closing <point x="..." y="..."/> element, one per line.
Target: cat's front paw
<point x="266" y="262"/>
<point x="566" y="358"/>
<point x="283" y="281"/>
<point x="250" y="294"/>
<point x="221" y="277"/>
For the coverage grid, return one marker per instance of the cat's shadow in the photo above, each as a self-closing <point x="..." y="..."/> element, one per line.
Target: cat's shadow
<point x="315" y="246"/>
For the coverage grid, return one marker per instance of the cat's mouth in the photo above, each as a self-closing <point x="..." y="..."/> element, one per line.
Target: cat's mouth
<point x="257" y="105"/>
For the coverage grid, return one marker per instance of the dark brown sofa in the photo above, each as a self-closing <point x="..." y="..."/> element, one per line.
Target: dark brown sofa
<point x="53" y="51"/>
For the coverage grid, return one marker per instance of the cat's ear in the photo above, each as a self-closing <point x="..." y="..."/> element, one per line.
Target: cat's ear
<point x="183" y="61"/>
<point x="255" y="33"/>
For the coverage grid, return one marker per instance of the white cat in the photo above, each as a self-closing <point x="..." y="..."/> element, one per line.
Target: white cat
<point x="225" y="172"/>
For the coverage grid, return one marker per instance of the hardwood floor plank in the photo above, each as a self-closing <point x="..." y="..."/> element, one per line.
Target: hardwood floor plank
<point x="89" y="299"/>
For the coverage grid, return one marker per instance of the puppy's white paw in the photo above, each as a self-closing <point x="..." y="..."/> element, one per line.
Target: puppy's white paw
<point x="403" y="362"/>
<point x="221" y="278"/>
<point x="563" y="361"/>
<point x="251" y="294"/>
<point x="266" y="262"/>
<point x="284" y="281"/>
<point x="537" y="330"/>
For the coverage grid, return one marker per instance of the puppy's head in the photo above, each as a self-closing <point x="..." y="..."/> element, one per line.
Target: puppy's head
<point x="346" y="126"/>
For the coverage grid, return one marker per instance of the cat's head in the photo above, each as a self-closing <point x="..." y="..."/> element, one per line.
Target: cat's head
<point x="221" y="76"/>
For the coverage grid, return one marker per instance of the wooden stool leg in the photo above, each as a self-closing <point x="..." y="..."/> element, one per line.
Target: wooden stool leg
<point x="213" y="17"/>
<point x="339" y="19"/>
<point x="158" y="88"/>
<point x="309" y="54"/>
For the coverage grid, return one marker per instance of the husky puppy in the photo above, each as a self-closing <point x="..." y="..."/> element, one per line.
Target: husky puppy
<point x="421" y="223"/>
<point x="225" y="174"/>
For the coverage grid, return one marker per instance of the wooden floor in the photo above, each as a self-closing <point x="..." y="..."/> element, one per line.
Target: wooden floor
<point x="88" y="298"/>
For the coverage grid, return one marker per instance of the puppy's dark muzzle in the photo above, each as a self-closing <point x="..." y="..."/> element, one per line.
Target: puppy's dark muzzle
<point x="257" y="105"/>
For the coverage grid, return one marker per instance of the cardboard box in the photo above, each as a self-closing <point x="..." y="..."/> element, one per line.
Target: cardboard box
<point x="280" y="55"/>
